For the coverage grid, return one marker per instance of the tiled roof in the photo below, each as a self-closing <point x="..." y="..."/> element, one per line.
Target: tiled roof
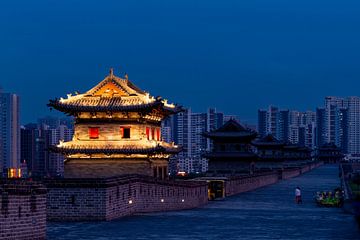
<point x="112" y="94"/>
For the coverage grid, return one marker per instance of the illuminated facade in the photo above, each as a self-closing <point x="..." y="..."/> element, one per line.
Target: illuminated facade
<point x="117" y="131"/>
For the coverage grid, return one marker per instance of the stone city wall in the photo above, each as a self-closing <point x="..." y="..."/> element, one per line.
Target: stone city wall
<point x="290" y="173"/>
<point x="305" y="169"/>
<point x="23" y="210"/>
<point x="237" y="185"/>
<point x="111" y="198"/>
<point x="107" y="199"/>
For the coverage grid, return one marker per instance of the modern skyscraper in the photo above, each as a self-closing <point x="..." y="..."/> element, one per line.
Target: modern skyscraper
<point x="302" y="128"/>
<point x="344" y="129"/>
<point x="187" y="128"/>
<point x="294" y="126"/>
<point x="35" y="142"/>
<point x="332" y="119"/>
<point x="56" y="160"/>
<point x="334" y="123"/>
<point x="9" y="130"/>
<point x="262" y="120"/>
<point x="272" y="121"/>
<point x="321" y="138"/>
<point x="275" y="122"/>
<point x="353" y="119"/>
<point x="283" y="125"/>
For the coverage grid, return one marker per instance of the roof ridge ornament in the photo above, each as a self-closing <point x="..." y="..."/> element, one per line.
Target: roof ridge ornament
<point x="111" y="73"/>
<point x="126" y="76"/>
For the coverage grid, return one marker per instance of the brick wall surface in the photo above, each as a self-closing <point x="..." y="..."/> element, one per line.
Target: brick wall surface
<point x="244" y="184"/>
<point x="290" y="173"/>
<point x="84" y="199"/>
<point x="23" y="211"/>
<point x="111" y="198"/>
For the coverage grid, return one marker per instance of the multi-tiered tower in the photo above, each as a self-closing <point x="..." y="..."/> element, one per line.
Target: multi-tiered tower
<point x="232" y="153"/>
<point x="117" y="131"/>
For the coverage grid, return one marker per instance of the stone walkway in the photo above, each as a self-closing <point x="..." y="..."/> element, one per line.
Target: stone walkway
<point x="267" y="213"/>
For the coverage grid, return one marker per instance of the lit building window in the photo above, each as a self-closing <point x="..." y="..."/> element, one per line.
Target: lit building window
<point x="93" y="132"/>
<point x="148" y="133"/>
<point x="125" y="132"/>
<point x="153" y="133"/>
<point x="158" y="134"/>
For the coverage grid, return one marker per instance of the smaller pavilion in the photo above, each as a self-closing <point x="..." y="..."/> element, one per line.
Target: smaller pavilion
<point x="270" y="152"/>
<point x="232" y="153"/>
<point x="329" y="153"/>
<point x="296" y="155"/>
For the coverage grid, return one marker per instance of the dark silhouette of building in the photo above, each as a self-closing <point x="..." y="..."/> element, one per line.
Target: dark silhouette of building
<point x="232" y="152"/>
<point x="320" y="127"/>
<point x="34" y="150"/>
<point x="329" y="153"/>
<point x="262" y="116"/>
<point x="270" y="150"/>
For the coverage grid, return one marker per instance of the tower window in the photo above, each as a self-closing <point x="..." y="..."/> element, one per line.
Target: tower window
<point x="158" y="134"/>
<point x="125" y="132"/>
<point x="93" y="132"/>
<point x="148" y="133"/>
<point x="153" y="133"/>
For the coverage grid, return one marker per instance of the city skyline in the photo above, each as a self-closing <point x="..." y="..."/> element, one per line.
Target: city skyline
<point x="179" y="119"/>
<point x="202" y="55"/>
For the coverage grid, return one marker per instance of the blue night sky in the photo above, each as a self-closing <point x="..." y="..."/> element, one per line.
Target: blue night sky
<point x="237" y="56"/>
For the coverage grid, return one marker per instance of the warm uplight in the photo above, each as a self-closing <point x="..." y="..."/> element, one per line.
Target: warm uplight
<point x="14" y="173"/>
<point x="181" y="173"/>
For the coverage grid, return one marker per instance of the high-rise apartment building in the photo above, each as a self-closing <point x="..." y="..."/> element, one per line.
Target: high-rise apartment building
<point x="274" y="121"/>
<point x="262" y="119"/>
<point x="9" y="131"/>
<point x="294" y="126"/>
<point x="334" y="123"/>
<point x="353" y="119"/>
<point x="186" y="129"/>
<point x="302" y="128"/>
<point x="344" y="129"/>
<point x="35" y="142"/>
<point x="321" y="138"/>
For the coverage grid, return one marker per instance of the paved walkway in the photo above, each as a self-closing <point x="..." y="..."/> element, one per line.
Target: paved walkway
<point x="267" y="213"/>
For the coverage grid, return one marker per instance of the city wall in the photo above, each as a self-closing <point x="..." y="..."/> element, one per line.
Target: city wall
<point x="111" y="198"/>
<point x="107" y="199"/>
<point x="236" y="185"/>
<point x="23" y="210"/>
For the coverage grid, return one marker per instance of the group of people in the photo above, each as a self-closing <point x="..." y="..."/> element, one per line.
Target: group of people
<point x="330" y="199"/>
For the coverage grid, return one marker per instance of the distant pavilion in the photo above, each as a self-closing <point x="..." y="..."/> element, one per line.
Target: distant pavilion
<point x="329" y="153"/>
<point x="270" y="151"/>
<point x="232" y="152"/>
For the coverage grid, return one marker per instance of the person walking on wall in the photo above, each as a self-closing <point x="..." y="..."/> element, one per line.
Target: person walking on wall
<point x="298" y="199"/>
